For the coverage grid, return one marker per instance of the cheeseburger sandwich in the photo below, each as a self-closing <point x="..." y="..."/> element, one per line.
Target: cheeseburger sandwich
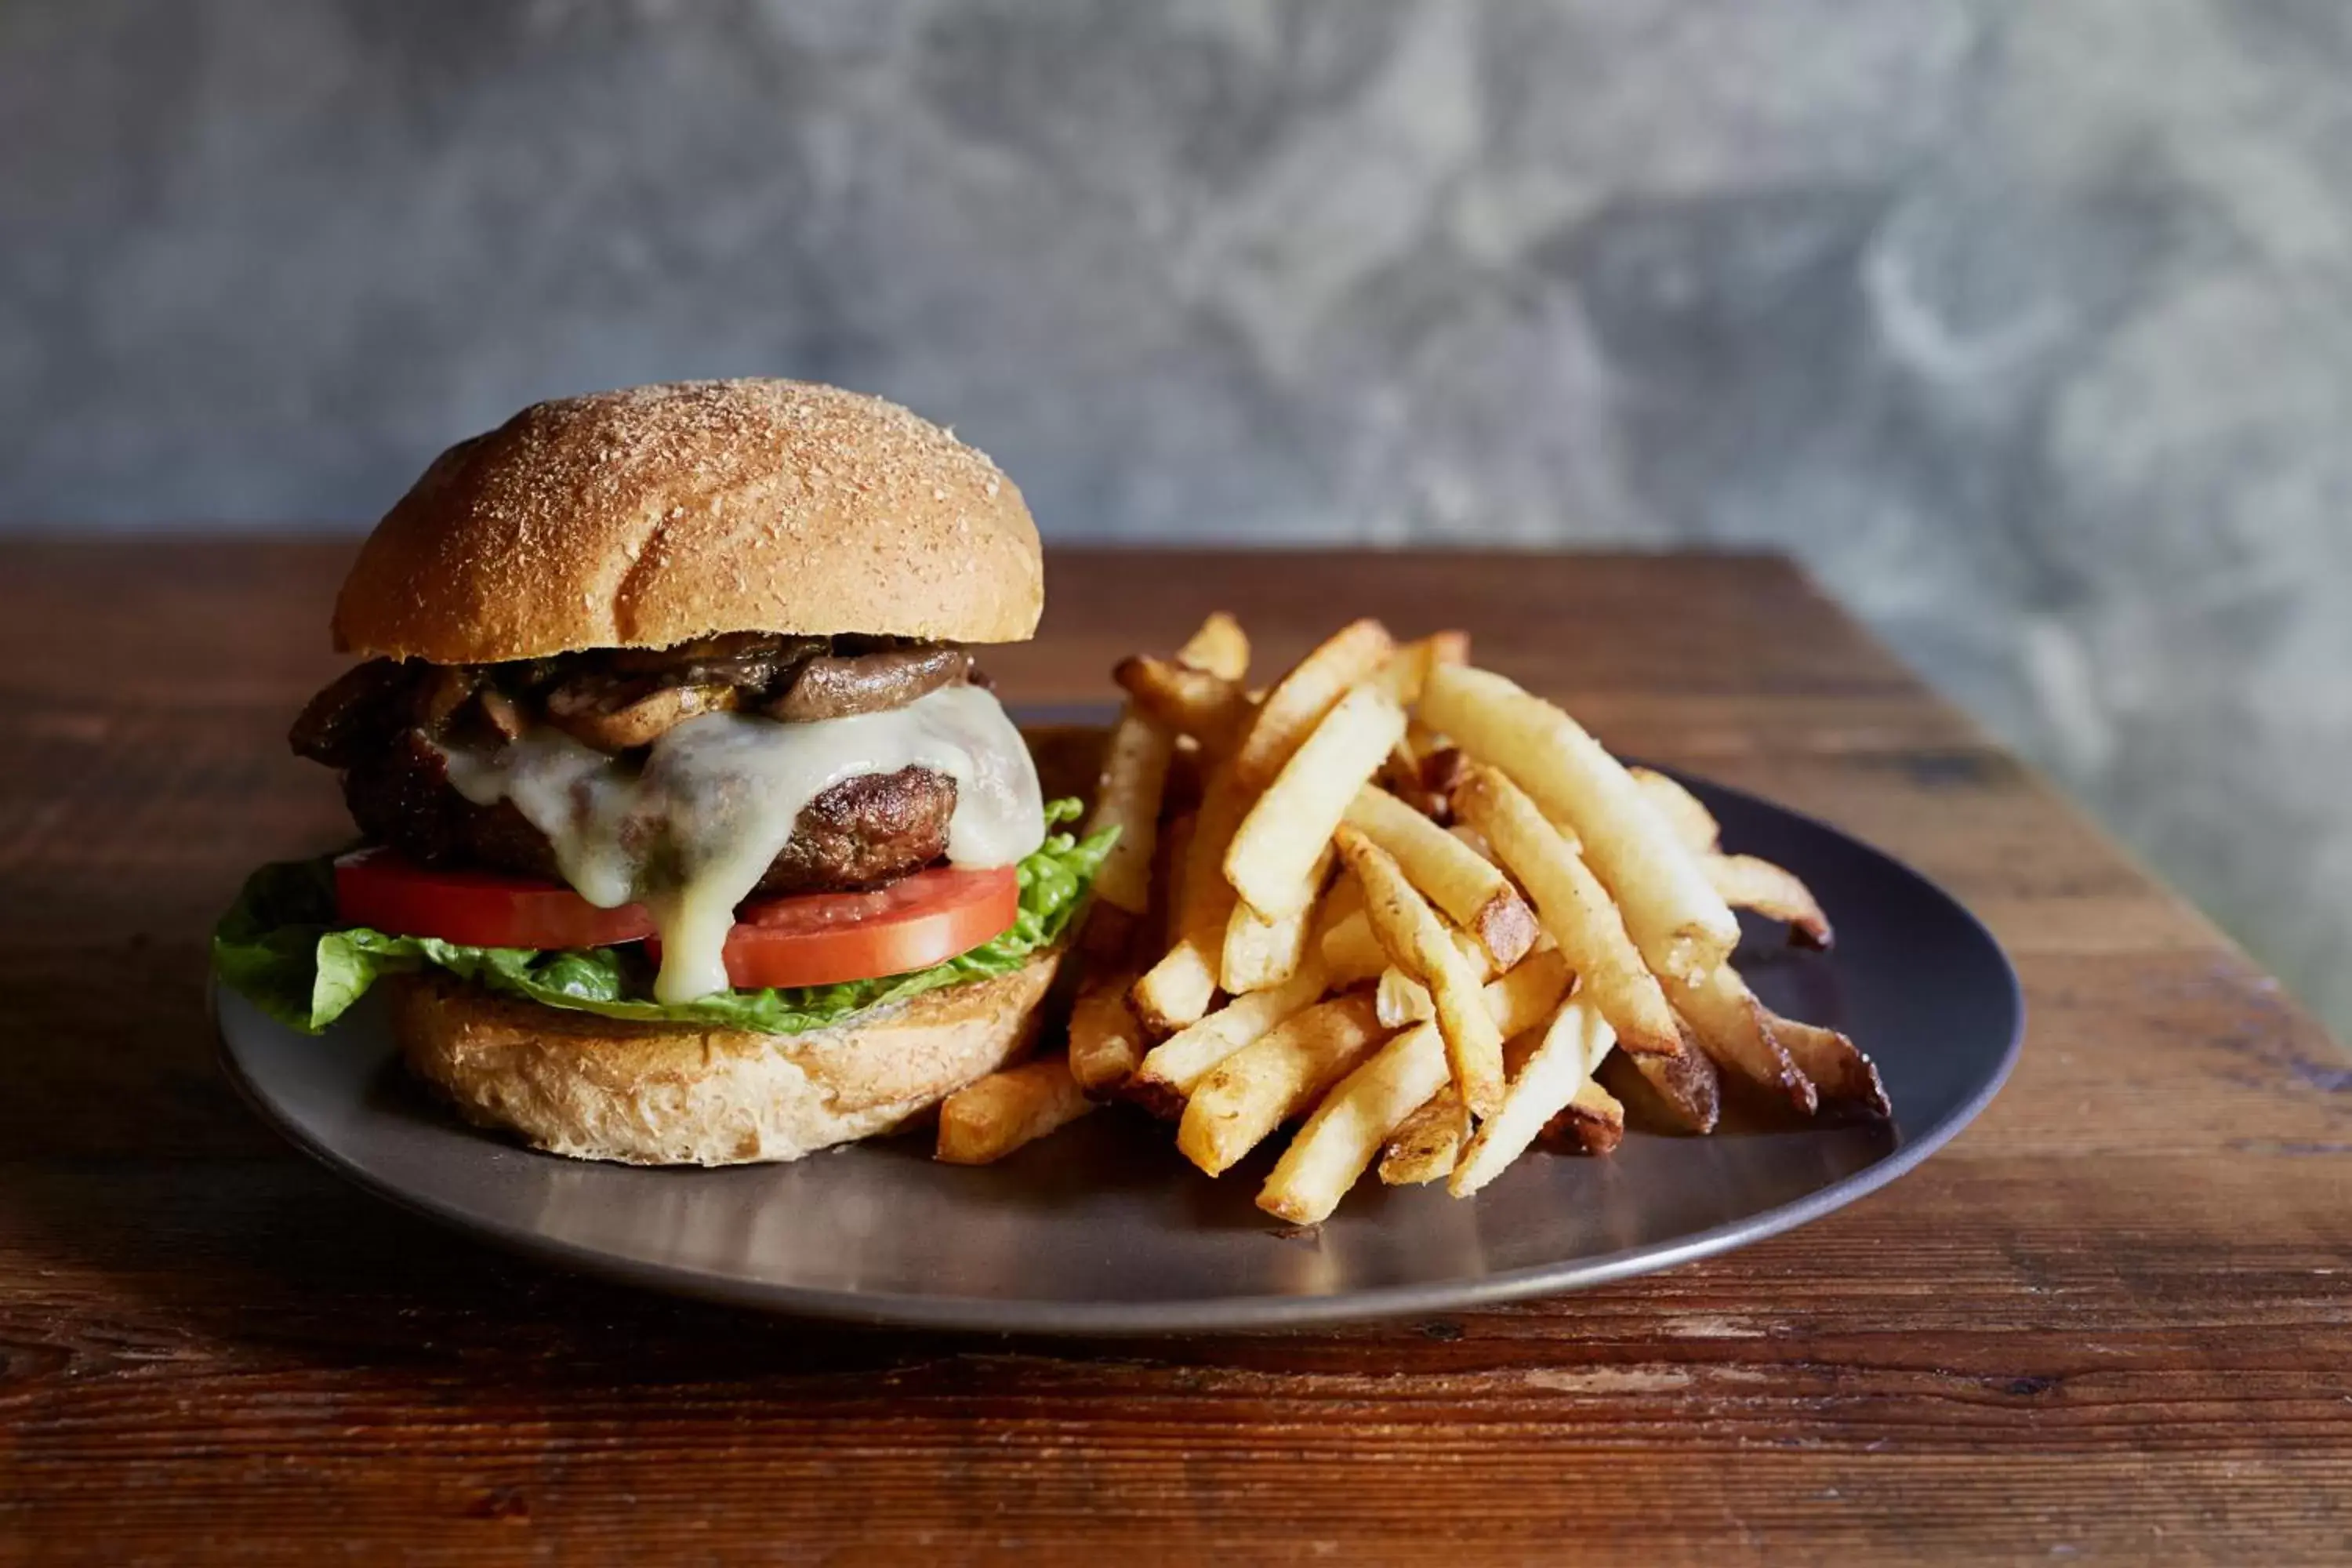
<point x="691" y="830"/>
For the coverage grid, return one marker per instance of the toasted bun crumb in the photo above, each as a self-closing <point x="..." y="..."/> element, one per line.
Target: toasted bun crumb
<point x="657" y="514"/>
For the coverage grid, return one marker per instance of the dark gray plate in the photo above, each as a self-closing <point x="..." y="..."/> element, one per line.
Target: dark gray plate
<point x="1103" y="1228"/>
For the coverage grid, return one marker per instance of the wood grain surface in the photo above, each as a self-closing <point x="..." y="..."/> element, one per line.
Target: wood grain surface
<point x="2110" y="1324"/>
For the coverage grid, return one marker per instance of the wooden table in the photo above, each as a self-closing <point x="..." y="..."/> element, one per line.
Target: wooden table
<point x="2111" y="1322"/>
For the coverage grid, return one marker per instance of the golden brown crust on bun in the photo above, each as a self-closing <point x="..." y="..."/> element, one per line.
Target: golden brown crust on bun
<point x="654" y="515"/>
<point x="657" y="1094"/>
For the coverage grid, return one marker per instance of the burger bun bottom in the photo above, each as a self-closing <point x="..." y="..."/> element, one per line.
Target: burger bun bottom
<point x="659" y="1094"/>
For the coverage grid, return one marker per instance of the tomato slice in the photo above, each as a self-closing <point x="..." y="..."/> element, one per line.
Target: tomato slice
<point x="385" y="889"/>
<point x="810" y="939"/>
<point x="823" y="939"/>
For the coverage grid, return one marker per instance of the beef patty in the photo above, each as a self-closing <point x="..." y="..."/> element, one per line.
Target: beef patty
<point x="380" y="722"/>
<point x="861" y="833"/>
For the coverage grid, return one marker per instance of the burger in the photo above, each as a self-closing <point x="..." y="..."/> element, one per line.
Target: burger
<point x="691" y="831"/>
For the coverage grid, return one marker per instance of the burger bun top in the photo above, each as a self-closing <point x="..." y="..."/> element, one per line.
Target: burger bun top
<point x="655" y="515"/>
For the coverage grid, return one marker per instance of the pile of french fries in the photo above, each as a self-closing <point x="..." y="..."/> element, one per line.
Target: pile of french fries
<point x="1399" y="902"/>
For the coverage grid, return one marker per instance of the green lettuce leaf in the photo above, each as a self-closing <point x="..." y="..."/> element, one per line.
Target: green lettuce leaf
<point x="279" y="946"/>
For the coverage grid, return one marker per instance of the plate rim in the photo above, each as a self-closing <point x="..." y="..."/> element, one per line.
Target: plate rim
<point x="1198" y="1314"/>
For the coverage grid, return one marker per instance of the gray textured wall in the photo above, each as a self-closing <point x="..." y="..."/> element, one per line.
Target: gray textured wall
<point x="2025" y="323"/>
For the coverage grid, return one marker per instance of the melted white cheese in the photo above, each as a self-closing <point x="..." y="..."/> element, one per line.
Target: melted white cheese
<point x="689" y="833"/>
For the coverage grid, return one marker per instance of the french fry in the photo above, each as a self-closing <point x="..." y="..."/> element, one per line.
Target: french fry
<point x="1456" y="878"/>
<point x="1573" y="1044"/>
<point x="1220" y="646"/>
<point x="1680" y="923"/>
<point x="1346" y="1132"/>
<point x="1350" y="951"/>
<point x="986" y="1120"/>
<point x="1178" y="990"/>
<point x="1300" y="701"/>
<point x="1167" y="879"/>
<point x="1260" y="952"/>
<point x="1417" y="942"/>
<point x="1516" y="999"/>
<point x="1748" y="883"/>
<point x="1134" y="776"/>
<point x="1731" y="1025"/>
<point x="1209" y="707"/>
<point x="1274" y="853"/>
<point x="1399" y="1000"/>
<point x="1691" y="821"/>
<point x="1525" y="997"/>
<point x="1522" y="931"/>
<point x="1591" y="1123"/>
<point x="1574" y="909"/>
<point x="1847" y="1079"/>
<point x="1684" y="1092"/>
<point x="1343" y="900"/>
<point x="1408" y="790"/>
<point x="1272" y="1078"/>
<point x="1407" y="669"/>
<point x="1173" y="1067"/>
<point x="1107" y="1043"/>
<point x="1426" y="1144"/>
